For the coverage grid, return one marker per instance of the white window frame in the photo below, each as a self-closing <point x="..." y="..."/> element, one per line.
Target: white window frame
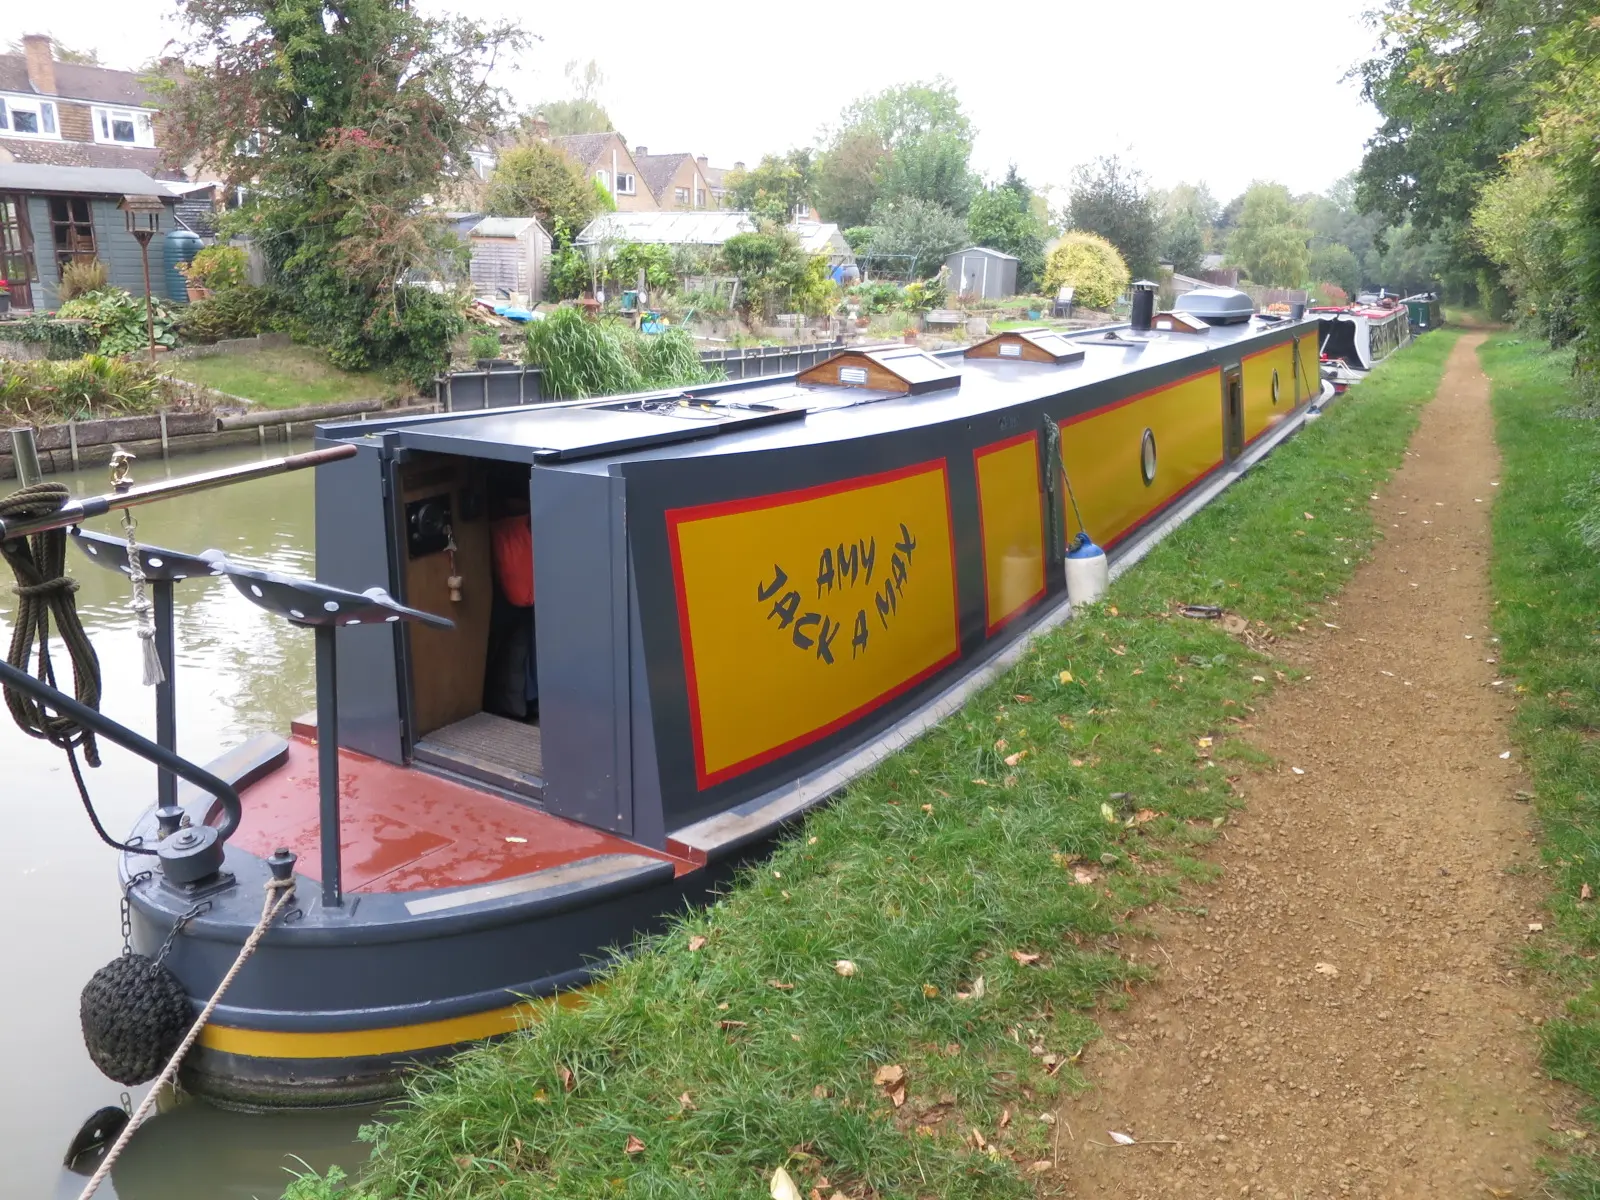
<point x="143" y="121"/>
<point x="604" y="177"/>
<point x="626" y="184"/>
<point x="47" y="117"/>
<point x="680" y="195"/>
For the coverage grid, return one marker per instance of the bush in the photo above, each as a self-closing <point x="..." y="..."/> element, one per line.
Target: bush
<point x="83" y="275"/>
<point x="241" y="311"/>
<point x="605" y="357"/>
<point x="413" y="333"/>
<point x="117" y="320"/>
<point x="218" y="268"/>
<point x="47" y="391"/>
<point x="62" y="339"/>
<point x="1091" y="266"/>
<point x="484" y="345"/>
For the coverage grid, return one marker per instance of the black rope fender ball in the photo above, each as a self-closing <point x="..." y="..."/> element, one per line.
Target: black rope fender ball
<point x="134" y="1014"/>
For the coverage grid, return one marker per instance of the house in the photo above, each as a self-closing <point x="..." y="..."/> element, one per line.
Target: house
<point x="677" y="181"/>
<point x="605" y="157"/>
<point x="982" y="273"/>
<point x="510" y="255"/>
<point x="70" y="115"/>
<point x="51" y="215"/>
<point x="717" y="181"/>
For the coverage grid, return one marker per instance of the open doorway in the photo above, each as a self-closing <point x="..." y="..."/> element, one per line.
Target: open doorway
<point x="1232" y="413"/>
<point x="469" y="556"/>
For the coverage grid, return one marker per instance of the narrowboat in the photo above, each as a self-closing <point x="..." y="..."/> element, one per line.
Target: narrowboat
<point x="577" y="661"/>
<point x="1425" y="311"/>
<point x="1358" y="337"/>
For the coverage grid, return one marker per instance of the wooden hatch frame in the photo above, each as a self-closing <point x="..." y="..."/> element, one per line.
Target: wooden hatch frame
<point x="1041" y="345"/>
<point x="902" y="369"/>
<point x="1174" y="321"/>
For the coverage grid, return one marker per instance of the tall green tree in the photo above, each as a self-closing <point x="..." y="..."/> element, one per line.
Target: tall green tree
<point x="926" y="232"/>
<point x="538" y="180"/>
<point x="1332" y="262"/>
<point x="777" y="185"/>
<point x="1187" y="214"/>
<point x="341" y="119"/>
<point x="1269" y="240"/>
<point x="1003" y="218"/>
<point x="908" y="142"/>
<point x="848" y="177"/>
<point x="581" y="112"/>
<point x="1112" y="198"/>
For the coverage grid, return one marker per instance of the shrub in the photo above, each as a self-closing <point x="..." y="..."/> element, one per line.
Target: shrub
<point x="413" y="333"/>
<point x="218" y="268"/>
<point x="62" y="339"/>
<point x="117" y="320"/>
<point x="241" y="311"/>
<point x="484" y="345"/>
<point x="583" y="357"/>
<point x="94" y="385"/>
<point x="1091" y="266"/>
<point x="81" y="276"/>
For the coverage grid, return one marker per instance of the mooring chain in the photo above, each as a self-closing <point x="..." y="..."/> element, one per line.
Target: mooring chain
<point x="127" y="908"/>
<point x="178" y="926"/>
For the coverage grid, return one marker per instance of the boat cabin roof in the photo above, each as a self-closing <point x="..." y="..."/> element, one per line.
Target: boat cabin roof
<point x="812" y="407"/>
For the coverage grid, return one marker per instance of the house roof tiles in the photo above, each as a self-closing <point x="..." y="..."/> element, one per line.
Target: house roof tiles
<point x="657" y="171"/>
<point x="584" y="147"/>
<point x="85" y="154"/>
<point x="74" y="81"/>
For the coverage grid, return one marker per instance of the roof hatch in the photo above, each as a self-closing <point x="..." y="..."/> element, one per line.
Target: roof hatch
<point x="1030" y="345"/>
<point x="903" y="369"/>
<point x="1179" y="322"/>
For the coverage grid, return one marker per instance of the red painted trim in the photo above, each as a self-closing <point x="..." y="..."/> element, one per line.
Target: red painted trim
<point x="993" y="627"/>
<point x="678" y="516"/>
<point x="1127" y="400"/>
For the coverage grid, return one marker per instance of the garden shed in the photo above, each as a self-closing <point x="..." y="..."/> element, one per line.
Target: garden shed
<point x="51" y="215"/>
<point x="981" y="273"/>
<point x="510" y="256"/>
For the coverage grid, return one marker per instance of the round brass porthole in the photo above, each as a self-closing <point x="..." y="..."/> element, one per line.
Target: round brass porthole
<point x="1274" y="385"/>
<point x="1147" y="457"/>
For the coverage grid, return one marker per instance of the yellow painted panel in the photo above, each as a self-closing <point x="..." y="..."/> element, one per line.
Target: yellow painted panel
<point x="1310" y="379"/>
<point x="1101" y="452"/>
<point x="1260" y="413"/>
<point x="1010" y="515"/>
<point x="802" y="611"/>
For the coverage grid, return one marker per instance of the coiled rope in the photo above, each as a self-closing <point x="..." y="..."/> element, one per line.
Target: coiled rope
<point x="279" y="893"/>
<point x="43" y="590"/>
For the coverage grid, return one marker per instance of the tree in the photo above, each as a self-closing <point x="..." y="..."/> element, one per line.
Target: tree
<point x="899" y="115"/>
<point x="776" y="186"/>
<point x="1269" y="241"/>
<point x="1003" y="218"/>
<point x="925" y="231"/>
<point x="775" y="274"/>
<point x="930" y="167"/>
<point x="1091" y="266"/>
<point x="1112" y="199"/>
<point x="581" y="112"/>
<point x="1187" y="214"/>
<point x="538" y="180"/>
<point x="1334" y="263"/>
<point x="847" y="177"/>
<point x="342" y="120"/>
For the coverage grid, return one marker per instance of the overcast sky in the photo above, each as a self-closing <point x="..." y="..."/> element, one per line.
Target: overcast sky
<point x="1221" y="92"/>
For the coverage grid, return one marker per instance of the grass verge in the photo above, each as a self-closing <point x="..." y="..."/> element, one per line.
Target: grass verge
<point x="1547" y="594"/>
<point x="286" y="378"/>
<point x="974" y="885"/>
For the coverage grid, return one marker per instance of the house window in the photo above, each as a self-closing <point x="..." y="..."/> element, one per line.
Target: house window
<point x="680" y="195"/>
<point x="603" y="179"/>
<point x="699" y="198"/>
<point x="27" y="117"/>
<point x="124" y="126"/>
<point x="625" y="185"/>
<point x="72" y="229"/>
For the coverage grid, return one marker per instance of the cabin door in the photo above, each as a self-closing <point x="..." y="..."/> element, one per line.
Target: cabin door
<point x="16" y="250"/>
<point x="1232" y="413"/>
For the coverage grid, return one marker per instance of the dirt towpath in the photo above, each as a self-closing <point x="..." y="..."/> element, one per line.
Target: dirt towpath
<point x="1347" y="1017"/>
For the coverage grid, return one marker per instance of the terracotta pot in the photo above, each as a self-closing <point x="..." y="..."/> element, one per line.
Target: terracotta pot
<point x="196" y="291"/>
<point x="911" y="337"/>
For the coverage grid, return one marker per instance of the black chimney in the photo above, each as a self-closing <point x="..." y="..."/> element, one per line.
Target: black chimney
<point x="1144" y="306"/>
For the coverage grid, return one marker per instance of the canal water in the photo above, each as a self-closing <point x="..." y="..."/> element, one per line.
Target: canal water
<point x="239" y="672"/>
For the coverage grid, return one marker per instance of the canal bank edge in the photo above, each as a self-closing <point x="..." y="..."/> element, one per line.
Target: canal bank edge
<point x="893" y="992"/>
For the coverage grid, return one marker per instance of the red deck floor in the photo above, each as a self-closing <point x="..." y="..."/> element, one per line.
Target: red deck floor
<point x="404" y="830"/>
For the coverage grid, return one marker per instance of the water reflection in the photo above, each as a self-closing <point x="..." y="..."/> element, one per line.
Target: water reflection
<point x="239" y="672"/>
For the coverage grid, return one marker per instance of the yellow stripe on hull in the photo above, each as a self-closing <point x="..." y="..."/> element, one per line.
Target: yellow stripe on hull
<point x="376" y="1043"/>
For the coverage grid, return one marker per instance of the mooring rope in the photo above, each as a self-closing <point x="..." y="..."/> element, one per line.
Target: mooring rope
<point x="270" y="909"/>
<point x="42" y="588"/>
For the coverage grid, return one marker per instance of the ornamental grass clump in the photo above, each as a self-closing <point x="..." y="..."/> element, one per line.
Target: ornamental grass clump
<point x="45" y="392"/>
<point x="1089" y="265"/>
<point x="581" y="356"/>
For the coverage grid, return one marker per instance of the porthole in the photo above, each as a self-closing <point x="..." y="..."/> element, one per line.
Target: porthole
<point x="1147" y="457"/>
<point x="1274" y="385"/>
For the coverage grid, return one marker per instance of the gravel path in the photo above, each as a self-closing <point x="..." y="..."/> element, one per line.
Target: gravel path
<point x="1349" y="1017"/>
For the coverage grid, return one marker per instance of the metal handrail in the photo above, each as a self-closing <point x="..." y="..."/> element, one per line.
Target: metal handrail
<point x="138" y="744"/>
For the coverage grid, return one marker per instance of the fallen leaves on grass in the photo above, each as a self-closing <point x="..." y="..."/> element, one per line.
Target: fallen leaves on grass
<point x="1123" y="1139"/>
<point x="697" y="942"/>
<point x="1064" y="677"/>
<point x="1084" y="876"/>
<point x="782" y="1186"/>
<point x="685" y="1104"/>
<point x="780" y="985"/>
<point x="1024" y="957"/>
<point x="1585" y="893"/>
<point x="844" y="967"/>
<point x="568" y="1081"/>
<point x="634" y="1145"/>
<point x="892" y="1079"/>
<point x="1013" y="759"/>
